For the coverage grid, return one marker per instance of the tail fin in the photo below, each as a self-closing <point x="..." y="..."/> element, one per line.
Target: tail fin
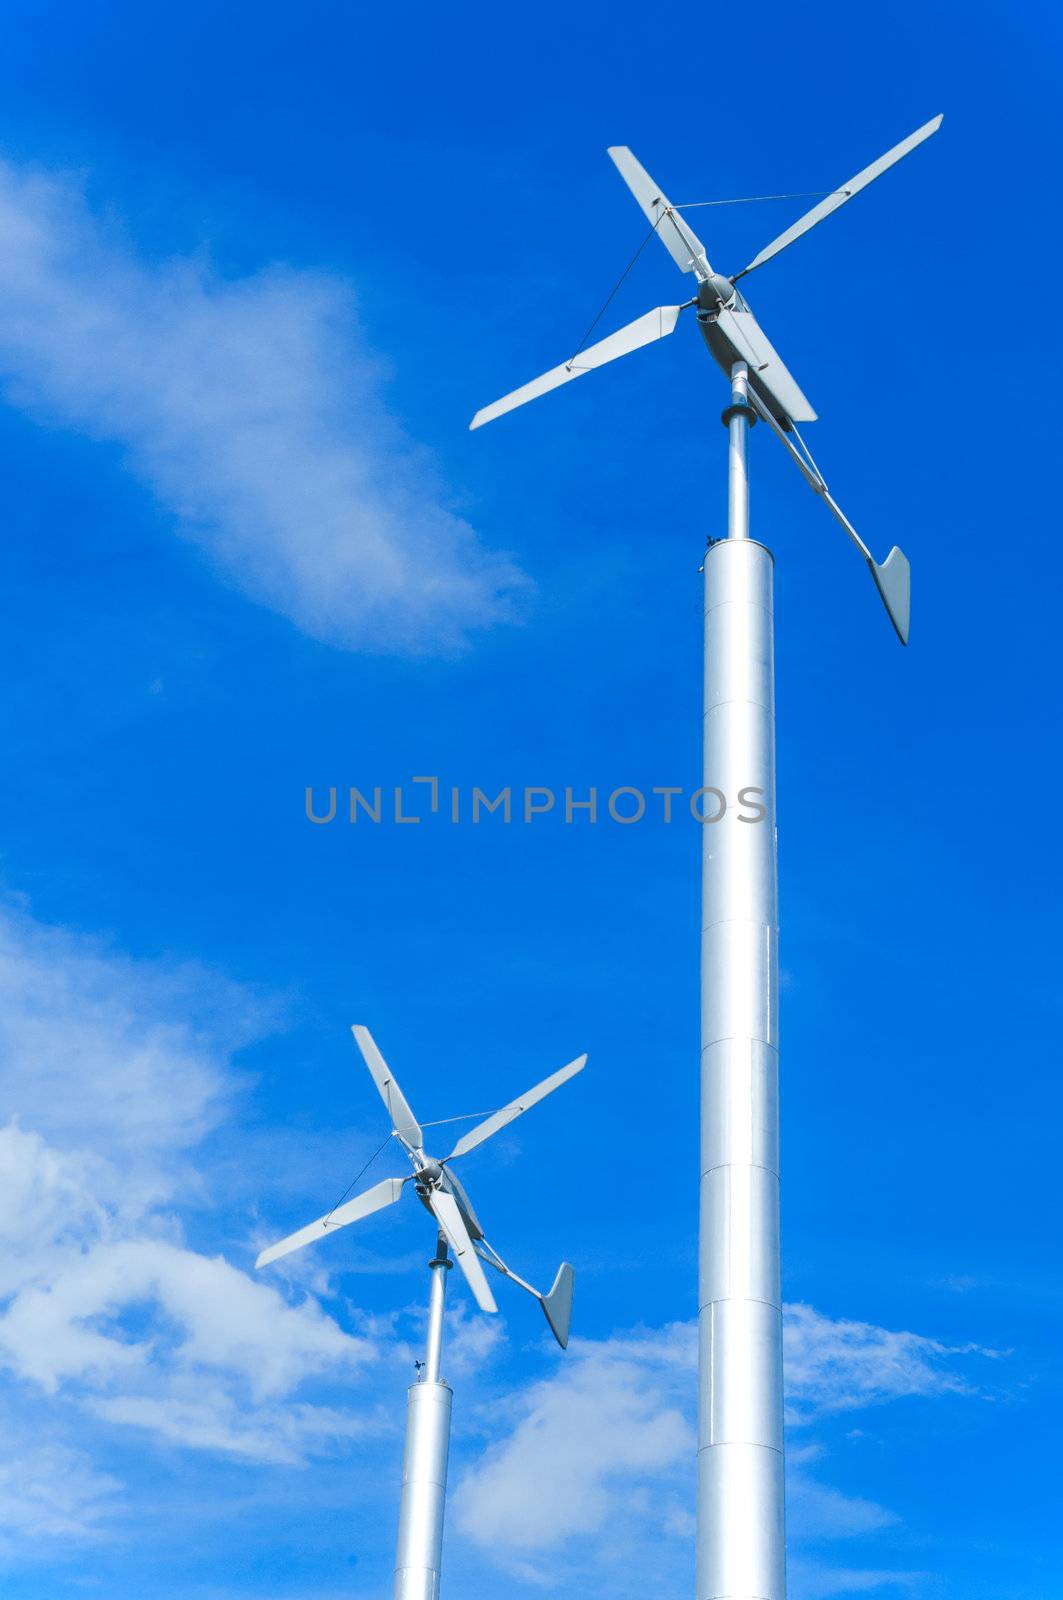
<point x="893" y="580"/>
<point x="558" y="1303"/>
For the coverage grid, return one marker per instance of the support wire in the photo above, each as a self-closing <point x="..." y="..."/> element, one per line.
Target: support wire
<point x="358" y="1179"/>
<point x="748" y="199"/>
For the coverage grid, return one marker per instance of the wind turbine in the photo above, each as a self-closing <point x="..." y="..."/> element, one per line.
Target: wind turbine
<point x="424" y="1473"/>
<point x="740" y="1530"/>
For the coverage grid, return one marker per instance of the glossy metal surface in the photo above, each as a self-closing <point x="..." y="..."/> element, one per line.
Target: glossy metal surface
<point x="419" y="1550"/>
<point x="424" y="1487"/>
<point x="737" y="470"/>
<point x="740" y="1527"/>
<point x="433" y="1347"/>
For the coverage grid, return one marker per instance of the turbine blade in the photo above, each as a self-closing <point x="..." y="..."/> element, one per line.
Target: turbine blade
<point x="515" y="1108"/>
<point x="680" y="240"/>
<point x="841" y="195"/>
<point x="446" y="1212"/>
<point x="363" y="1205"/>
<point x="646" y="330"/>
<point x="402" y="1118"/>
<point x="766" y="369"/>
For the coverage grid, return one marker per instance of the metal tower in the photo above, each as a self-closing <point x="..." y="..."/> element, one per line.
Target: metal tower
<point x="419" y="1547"/>
<point x="740" y="1524"/>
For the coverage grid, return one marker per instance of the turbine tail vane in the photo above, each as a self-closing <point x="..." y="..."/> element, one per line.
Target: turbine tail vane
<point x="892" y="577"/>
<point x="557" y="1305"/>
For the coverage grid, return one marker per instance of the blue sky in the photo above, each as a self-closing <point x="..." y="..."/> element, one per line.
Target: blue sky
<point x="258" y="270"/>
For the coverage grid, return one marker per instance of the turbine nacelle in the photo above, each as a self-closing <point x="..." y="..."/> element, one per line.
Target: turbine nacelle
<point x="714" y="292"/>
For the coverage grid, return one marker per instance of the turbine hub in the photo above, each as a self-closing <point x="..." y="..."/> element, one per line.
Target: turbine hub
<point x="715" y="292"/>
<point x="430" y="1173"/>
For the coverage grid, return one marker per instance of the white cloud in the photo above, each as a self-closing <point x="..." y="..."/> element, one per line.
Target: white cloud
<point x="606" y="1444"/>
<point x="836" y="1365"/>
<point x="121" y="1068"/>
<point x="820" y="1512"/>
<point x="204" y="1314"/>
<point x="127" y="1060"/>
<point x="203" y="1415"/>
<point x="584" y="1480"/>
<point x="810" y="1581"/>
<point x="50" y="1492"/>
<point x="252" y="410"/>
<point x="602" y="1425"/>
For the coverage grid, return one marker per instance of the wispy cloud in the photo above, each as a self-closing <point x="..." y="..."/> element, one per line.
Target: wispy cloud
<point x="590" y="1471"/>
<point x="49" y="1493"/>
<point x="582" y="1440"/>
<point x="837" y="1365"/>
<point x="254" y="412"/>
<point x="118" y="1069"/>
<point x="812" y="1581"/>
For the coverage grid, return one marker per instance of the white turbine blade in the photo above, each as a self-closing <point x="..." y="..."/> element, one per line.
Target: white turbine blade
<point x="844" y="193"/>
<point x="654" y="325"/>
<point x="363" y="1205"/>
<point x="402" y="1118"/>
<point x="680" y="240"/>
<point x="765" y="365"/>
<point x="515" y="1108"/>
<point x="446" y="1212"/>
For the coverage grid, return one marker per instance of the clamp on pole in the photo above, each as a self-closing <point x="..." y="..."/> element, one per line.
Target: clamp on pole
<point x="739" y="409"/>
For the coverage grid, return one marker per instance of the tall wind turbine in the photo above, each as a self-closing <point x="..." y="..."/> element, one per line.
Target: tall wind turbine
<point x="740" y="1535"/>
<point x="418" y="1557"/>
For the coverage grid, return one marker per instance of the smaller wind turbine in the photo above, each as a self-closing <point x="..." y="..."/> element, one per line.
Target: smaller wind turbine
<point x="424" y="1476"/>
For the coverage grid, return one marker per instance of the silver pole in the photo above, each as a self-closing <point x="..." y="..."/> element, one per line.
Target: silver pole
<point x="740" y="1528"/>
<point x="737" y="477"/>
<point x="419" y="1551"/>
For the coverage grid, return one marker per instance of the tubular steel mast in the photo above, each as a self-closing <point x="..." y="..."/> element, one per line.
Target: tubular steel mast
<point x="740" y="1535"/>
<point x="740" y="1526"/>
<point x="419" y="1549"/>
